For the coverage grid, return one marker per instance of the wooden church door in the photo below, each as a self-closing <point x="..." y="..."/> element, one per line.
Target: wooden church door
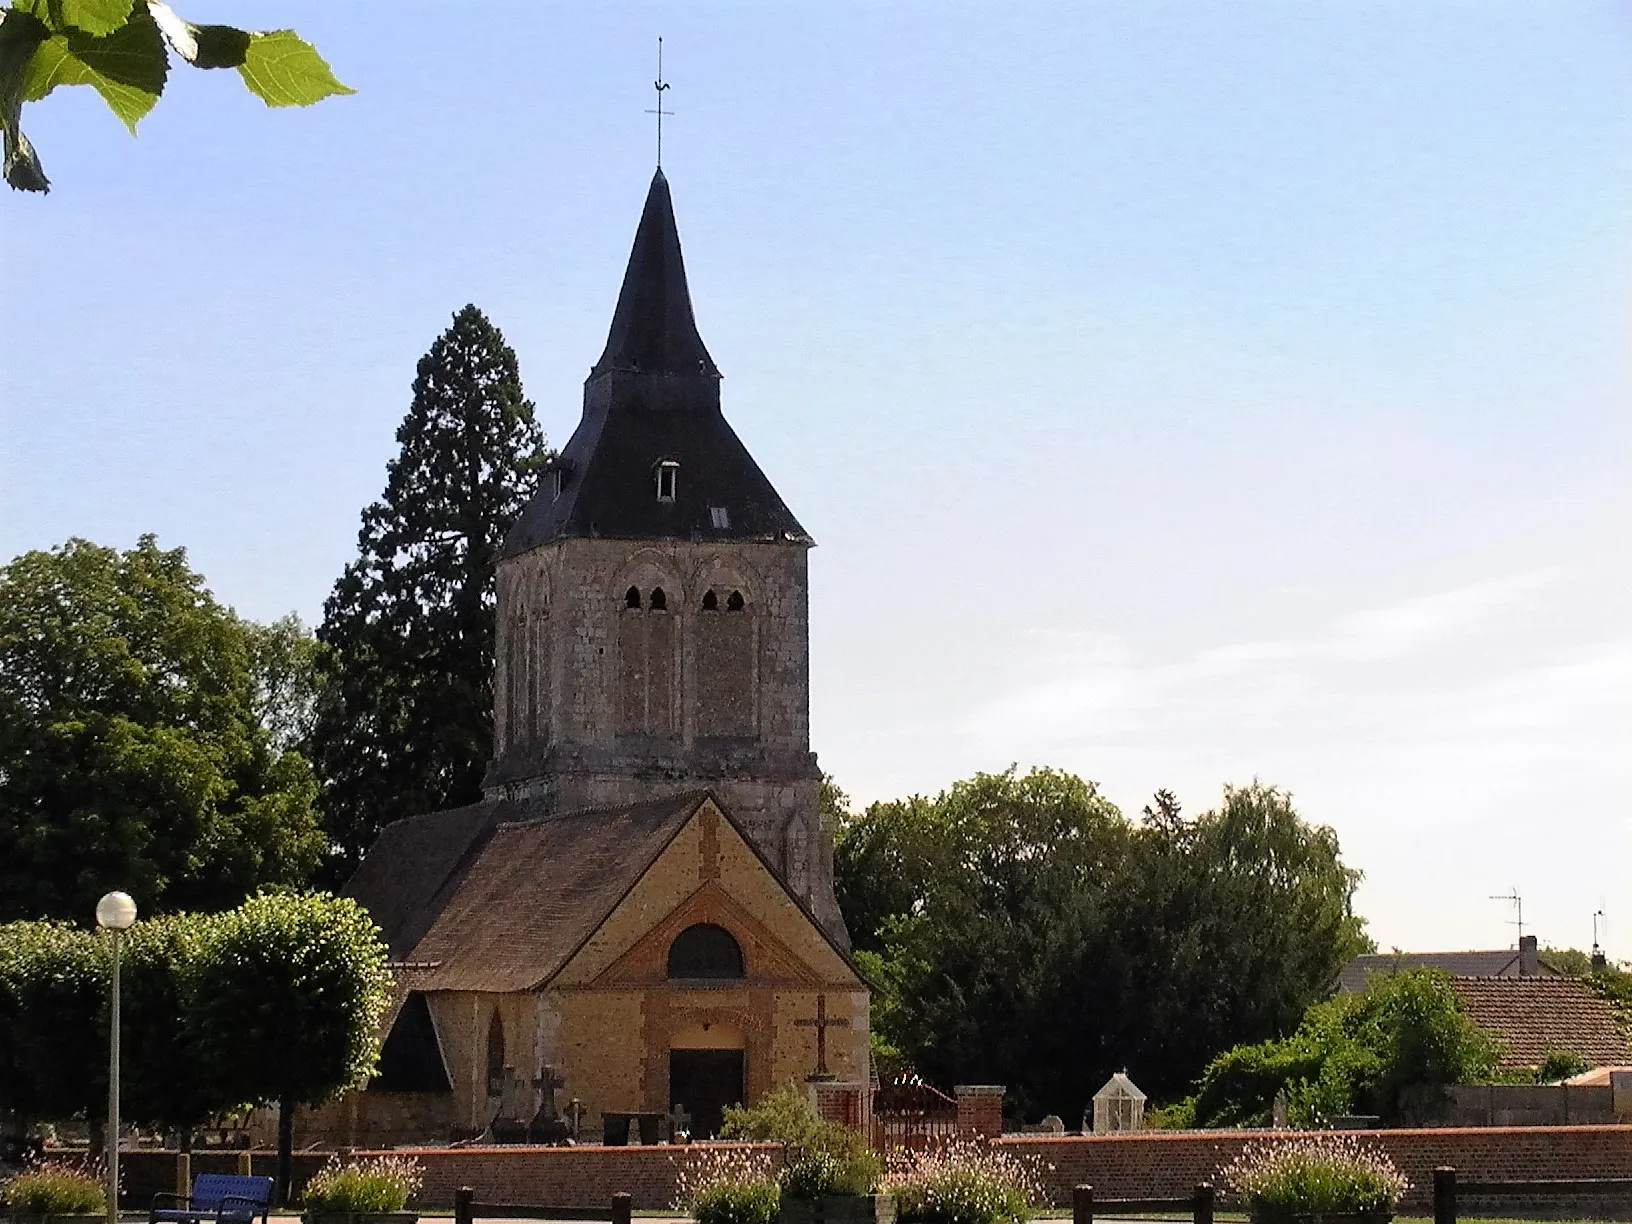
<point x="703" y="1083"/>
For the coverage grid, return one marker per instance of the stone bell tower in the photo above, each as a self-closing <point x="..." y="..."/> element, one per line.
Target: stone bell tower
<point x="653" y="620"/>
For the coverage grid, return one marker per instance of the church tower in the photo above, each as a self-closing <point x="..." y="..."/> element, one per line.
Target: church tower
<point x="653" y="620"/>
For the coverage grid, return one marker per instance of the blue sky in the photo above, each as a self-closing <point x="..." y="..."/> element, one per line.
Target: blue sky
<point x="1179" y="393"/>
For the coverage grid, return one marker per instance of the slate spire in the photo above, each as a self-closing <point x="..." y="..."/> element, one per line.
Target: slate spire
<point x="653" y="329"/>
<point x="653" y="400"/>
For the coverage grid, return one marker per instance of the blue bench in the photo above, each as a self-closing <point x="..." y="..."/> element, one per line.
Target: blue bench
<point x="225" y="1198"/>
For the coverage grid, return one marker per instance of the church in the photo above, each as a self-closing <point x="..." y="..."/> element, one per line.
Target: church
<point x="638" y="922"/>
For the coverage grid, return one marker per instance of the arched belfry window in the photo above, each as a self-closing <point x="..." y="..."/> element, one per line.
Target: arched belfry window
<point x="725" y="650"/>
<point x="495" y="1055"/>
<point x="705" y="951"/>
<point x="648" y="654"/>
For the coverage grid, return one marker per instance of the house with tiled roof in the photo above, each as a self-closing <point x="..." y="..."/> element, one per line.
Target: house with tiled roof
<point x="1534" y="1016"/>
<point x="638" y="920"/>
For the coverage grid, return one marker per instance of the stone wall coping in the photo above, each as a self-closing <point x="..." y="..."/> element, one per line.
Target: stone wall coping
<point x="1146" y="1136"/>
<point x="501" y="1149"/>
<point x="979" y="1090"/>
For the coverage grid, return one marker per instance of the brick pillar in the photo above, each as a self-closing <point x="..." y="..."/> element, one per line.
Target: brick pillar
<point x="980" y="1110"/>
<point x="839" y="1103"/>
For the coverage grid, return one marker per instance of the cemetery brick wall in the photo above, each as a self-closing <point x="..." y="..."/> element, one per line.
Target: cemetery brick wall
<point x="1164" y="1164"/>
<point x="1152" y="1164"/>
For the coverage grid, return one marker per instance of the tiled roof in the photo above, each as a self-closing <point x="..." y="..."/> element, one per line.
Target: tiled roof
<point x="1502" y="963"/>
<point x="1533" y="1016"/>
<point x="496" y="898"/>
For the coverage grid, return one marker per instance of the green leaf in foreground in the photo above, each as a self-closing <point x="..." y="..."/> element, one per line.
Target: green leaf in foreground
<point x="20" y="35"/>
<point x="94" y="17"/>
<point x="283" y="69"/>
<point x="127" y="67"/>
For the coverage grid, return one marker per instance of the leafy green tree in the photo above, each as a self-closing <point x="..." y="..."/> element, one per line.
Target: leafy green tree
<point x="164" y="1082"/>
<point x="131" y="755"/>
<point x="1235" y="923"/>
<point x="285" y="661"/>
<point x="404" y="720"/>
<point x="998" y="899"/>
<point x="287" y="996"/>
<point x="53" y="992"/>
<point x="121" y="49"/>
<point x="1020" y="928"/>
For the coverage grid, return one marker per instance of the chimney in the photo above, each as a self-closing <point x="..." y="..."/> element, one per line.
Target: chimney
<point x="1529" y="961"/>
<point x="1599" y="960"/>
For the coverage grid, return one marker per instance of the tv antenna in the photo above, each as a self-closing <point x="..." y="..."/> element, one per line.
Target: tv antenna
<point x="660" y="86"/>
<point x="1518" y="910"/>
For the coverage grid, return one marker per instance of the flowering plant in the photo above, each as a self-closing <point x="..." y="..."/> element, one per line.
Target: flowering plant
<point x="963" y="1183"/>
<point x="49" y="1189"/>
<point x="728" y="1186"/>
<point x="378" y="1185"/>
<point x="1317" y="1175"/>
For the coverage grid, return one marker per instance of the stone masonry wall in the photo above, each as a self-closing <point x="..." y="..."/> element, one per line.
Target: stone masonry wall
<point x="595" y="708"/>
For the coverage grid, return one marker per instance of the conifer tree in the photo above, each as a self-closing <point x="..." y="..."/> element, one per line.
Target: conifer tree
<point x="404" y="720"/>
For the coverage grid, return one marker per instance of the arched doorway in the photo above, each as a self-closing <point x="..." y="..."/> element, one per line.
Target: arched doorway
<point x="706" y="1073"/>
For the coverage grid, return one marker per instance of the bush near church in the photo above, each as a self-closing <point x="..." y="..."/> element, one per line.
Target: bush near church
<point x="1384" y="1050"/>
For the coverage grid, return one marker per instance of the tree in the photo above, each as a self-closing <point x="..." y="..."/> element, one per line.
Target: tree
<point x="121" y="49"/>
<point x="1019" y="928"/>
<point x="286" y="1002"/>
<point x="130" y="751"/>
<point x="404" y="719"/>
<point x="1235" y="923"/>
<point x="53" y="993"/>
<point x="1001" y="890"/>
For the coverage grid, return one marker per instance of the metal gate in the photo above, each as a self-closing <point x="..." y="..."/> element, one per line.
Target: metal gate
<point x="912" y="1115"/>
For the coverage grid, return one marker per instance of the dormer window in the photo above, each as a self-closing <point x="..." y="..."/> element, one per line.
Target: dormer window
<point x="558" y="482"/>
<point x="668" y="477"/>
<point x="720" y="516"/>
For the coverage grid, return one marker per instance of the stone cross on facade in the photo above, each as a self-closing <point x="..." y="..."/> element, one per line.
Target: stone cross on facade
<point x="821" y="1024"/>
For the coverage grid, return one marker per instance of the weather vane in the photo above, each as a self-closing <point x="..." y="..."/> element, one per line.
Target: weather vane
<point x="660" y="85"/>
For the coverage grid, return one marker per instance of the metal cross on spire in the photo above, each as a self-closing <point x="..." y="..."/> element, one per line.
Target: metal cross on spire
<point x="660" y="85"/>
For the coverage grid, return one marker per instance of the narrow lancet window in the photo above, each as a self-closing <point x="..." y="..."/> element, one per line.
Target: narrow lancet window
<point x="631" y="598"/>
<point x="711" y="601"/>
<point x="735" y="603"/>
<point x="659" y="601"/>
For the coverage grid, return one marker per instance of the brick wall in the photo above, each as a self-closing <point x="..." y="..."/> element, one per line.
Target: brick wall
<point x="1157" y="1164"/>
<point x="560" y="1177"/>
<point x="1149" y="1164"/>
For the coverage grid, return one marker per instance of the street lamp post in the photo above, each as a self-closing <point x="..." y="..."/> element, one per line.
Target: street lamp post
<point x="115" y="914"/>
